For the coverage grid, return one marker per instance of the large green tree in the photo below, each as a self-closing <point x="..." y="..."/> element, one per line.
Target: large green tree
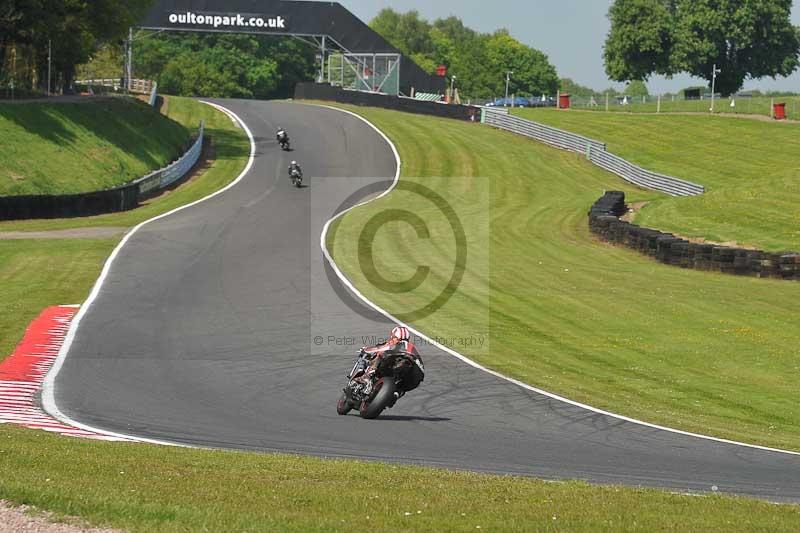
<point x="76" y="29"/>
<point x="743" y="38"/>
<point x="640" y="40"/>
<point x="532" y="72"/>
<point x="224" y="65"/>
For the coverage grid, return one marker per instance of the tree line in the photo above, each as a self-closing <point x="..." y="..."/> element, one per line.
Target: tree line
<point x="479" y="61"/>
<point x="224" y="65"/>
<point x="73" y="29"/>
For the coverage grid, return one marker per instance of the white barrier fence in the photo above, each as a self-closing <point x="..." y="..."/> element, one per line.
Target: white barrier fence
<point x="137" y="86"/>
<point x="594" y="150"/>
<point x="168" y="175"/>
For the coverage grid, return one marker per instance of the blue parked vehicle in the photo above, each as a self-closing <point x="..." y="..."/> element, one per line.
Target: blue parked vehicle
<point x="518" y="101"/>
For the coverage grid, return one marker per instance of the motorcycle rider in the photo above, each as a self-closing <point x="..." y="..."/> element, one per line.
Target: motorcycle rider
<point x="370" y="357"/>
<point x="282" y="136"/>
<point x="294" y="167"/>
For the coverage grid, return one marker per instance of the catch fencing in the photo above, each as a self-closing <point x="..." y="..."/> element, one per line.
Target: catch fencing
<point x="594" y="150"/>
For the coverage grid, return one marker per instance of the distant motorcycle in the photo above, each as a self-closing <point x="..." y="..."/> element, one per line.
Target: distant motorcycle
<point x="285" y="145"/>
<point x="297" y="177"/>
<point x="382" y="389"/>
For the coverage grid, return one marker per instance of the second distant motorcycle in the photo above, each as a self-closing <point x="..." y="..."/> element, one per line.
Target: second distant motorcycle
<point x="296" y="174"/>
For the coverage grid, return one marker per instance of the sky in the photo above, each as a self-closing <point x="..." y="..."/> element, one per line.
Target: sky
<point x="570" y="32"/>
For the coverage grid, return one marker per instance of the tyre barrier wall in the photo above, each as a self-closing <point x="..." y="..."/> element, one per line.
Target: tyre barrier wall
<point x="325" y="91"/>
<point x="666" y="248"/>
<point x="594" y="150"/>
<point x="122" y="198"/>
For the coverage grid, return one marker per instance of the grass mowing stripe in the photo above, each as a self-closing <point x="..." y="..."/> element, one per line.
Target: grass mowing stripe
<point x="748" y="167"/>
<point x="701" y="352"/>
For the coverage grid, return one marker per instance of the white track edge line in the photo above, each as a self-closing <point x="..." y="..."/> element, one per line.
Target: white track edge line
<point x="469" y="361"/>
<point x="48" y="386"/>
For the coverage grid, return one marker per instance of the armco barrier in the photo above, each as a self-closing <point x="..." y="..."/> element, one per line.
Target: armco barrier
<point x="666" y="248"/>
<point x="594" y="150"/>
<point x="324" y="91"/>
<point x="164" y="177"/>
<point x="121" y="198"/>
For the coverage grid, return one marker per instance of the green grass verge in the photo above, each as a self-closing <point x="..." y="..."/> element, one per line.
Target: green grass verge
<point x="749" y="169"/>
<point x="35" y="274"/>
<point x="699" y="351"/>
<point x="149" y="488"/>
<point x="71" y="148"/>
<point x="744" y="106"/>
<point x="231" y="148"/>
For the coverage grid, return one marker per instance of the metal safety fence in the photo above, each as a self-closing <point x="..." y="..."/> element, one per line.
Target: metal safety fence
<point x="118" y="84"/>
<point x="164" y="177"/>
<point x="594" y="150"/>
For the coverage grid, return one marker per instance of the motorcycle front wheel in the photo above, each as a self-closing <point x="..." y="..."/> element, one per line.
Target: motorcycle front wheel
<point x="343" y="405"/>
<point x="380" y="399"/>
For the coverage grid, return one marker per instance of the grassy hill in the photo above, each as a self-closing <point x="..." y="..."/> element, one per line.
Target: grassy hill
<point x="48" y="148"/>
<point x="749" y="167"/>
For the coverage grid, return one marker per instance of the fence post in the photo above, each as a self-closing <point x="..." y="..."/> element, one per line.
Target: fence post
<point x="589" y="151"/>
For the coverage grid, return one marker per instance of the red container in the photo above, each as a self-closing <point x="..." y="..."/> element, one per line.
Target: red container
<point x="563" y="101"/>
<point x="441" y="70"/>
<point x="779" y="111"/>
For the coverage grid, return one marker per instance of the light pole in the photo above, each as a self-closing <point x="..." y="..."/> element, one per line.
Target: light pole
<point x="49" y="64"/>
<point x="508" y="78"/>
<point x="129" y="55"/>
<point x="714" y="73"/>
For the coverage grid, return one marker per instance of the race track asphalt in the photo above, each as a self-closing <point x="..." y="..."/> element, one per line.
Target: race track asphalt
<point x="203" y="334"/>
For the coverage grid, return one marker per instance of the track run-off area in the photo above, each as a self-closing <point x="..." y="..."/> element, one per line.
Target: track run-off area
<point x="202" y="331"/>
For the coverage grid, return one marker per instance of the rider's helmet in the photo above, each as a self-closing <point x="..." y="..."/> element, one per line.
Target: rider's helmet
<point x="400" y="333"/>
<point x="294" y="163"/>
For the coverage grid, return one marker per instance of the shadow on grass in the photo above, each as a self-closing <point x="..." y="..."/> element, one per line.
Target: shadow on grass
<point x="126" y="124"/>
<point x="227" y="144"/>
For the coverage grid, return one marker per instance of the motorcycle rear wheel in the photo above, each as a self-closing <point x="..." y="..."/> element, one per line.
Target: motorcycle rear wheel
<point x="381" y="398"/>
